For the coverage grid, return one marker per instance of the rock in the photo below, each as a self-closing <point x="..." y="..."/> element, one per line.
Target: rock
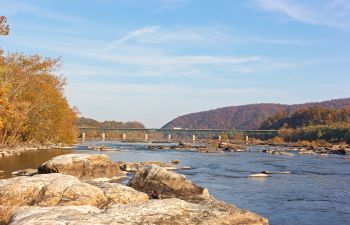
<point x="258" y="175"/>
<point x="185" y="145"/>
<point x="186" y="168"/>
<point x="48" y="190"/>
<point x="129" y="167"/>
<point x="83" y="166"/>
<point x="228" y="147"/>
<point x="303" y="151"/>
<point x="341" y="151"/>
<point x="162" y="212"/>
<point x="159" y="183"/>
<point x="271" y="172"/>
<point x="25" y="172"/>
<point x="133" y="167"/>
<point x="269" y="151"/>
<point x="158" y="147"/>
<point x="282" y="153"/>
<point x="121" y="194"/>
<point x="175" y="161"/>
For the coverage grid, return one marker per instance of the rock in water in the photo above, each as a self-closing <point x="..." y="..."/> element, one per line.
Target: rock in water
<point x="159" y="183"/>
<point x="258" y="175"/>
<point x="83" y="166"/>
<point x="167" y="211"/>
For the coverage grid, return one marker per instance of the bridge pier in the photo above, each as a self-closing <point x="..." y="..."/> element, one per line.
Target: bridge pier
<point x="103" y="136"/>
<point x="193" y="138"/>
<point x="169" y="137"/>
<point x="146" y="137"/>
<point x="219" y="137"/>
<point x="83" y="136"/>
<point x="124" y="136"/>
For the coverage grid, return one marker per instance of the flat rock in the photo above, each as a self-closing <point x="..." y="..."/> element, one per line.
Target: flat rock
<point x="275" y="172"/>
<point x="25" y="172"/>
<point x="282" y="153"/>
<point x="121" y="194"/>
<point x="258" y="175"/>
<point x="133" y="167"/>
<point x="83" y="166"/>
<point x="162" y="212"/>
<point x="47" y="190"/>
<point x="159" y="183"/>
<point x="186" y="168"/>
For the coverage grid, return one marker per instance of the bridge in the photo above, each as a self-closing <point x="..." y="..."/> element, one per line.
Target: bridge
<point x="178" y="131"/>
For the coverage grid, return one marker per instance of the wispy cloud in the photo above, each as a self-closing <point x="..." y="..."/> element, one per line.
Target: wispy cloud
<point x="157" y="35"/>
<point x="321" y="13"/>
<point x="135" y="34"/>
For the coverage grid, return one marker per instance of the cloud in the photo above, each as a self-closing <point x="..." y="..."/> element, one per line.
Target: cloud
<point x="156" y="35"/>
<point x="321" y="13"/>
<point x="132" y="35"/>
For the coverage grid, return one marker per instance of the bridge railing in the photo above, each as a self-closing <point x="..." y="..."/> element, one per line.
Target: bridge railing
<point x="179" y="132"/>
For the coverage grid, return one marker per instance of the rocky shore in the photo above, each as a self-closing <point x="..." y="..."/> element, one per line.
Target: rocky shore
<point x="207" y="147"/>
<point x="6" y="151"/>
<point x="288" y="149"/>
<point x="84" y="189"/>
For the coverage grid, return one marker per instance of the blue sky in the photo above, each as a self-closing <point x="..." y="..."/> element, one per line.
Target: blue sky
<point x="153" y="60"/>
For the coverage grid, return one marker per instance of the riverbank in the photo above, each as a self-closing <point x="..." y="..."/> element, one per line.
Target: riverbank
<point x="212" y="146"/>
<point x="82" y="189"/>
<point x="8" y="151"/>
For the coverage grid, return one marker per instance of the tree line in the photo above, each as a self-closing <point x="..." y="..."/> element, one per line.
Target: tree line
<point x="110" y="124"/>
<point x="310" y="124"/>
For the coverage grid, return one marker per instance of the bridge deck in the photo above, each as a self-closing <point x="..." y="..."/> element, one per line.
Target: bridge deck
<point x="147" y="130"/>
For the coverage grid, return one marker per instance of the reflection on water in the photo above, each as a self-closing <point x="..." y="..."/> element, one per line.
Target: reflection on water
<point x="31" y="159"/>
<point x="316" y="192"/>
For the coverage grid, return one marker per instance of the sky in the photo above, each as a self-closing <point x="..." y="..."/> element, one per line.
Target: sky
<point x="154" y="60"/>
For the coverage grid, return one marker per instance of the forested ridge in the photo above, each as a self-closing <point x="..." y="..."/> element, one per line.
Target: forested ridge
<point x="246" y="116"/>
<point x="110" y="124"/>
<point x="311" y="124"/>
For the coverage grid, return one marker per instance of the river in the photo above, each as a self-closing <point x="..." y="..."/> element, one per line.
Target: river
<point x="316" y="192"/>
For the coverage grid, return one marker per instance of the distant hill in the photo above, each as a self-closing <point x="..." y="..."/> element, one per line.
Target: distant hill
<point x="245" y="116"/>
<point x="87" y="122"/>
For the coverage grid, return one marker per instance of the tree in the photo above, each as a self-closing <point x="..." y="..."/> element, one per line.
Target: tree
<point x="33" y="106"/>
<point x="4" y="27"/>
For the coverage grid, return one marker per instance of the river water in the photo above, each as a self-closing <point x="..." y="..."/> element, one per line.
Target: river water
<point x="316" y="192"/>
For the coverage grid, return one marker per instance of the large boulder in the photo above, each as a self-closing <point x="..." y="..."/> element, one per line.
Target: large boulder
<point x="83" y="166"/>
<point x="58" y="189"/>
<point x="160" y="183"/>
<point x="166" y="211"/>
<point x="120" y="194"/>
<point x="47" y="190"/>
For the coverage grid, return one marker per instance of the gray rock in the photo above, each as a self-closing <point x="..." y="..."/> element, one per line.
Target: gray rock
<point x="159" y="183"/>
<point x="83" y="166"/>
<point x="25" y="172"/>
<point x="161" y="212"/>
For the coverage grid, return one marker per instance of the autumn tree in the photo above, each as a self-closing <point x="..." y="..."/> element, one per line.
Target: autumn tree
<point x="4" y="27"/>
<point x="33" y="106"/>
